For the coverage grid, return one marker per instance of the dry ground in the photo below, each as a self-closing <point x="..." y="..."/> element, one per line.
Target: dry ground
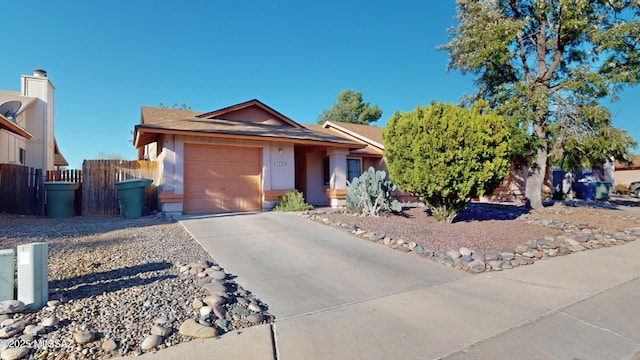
<point x="488" y="227"/>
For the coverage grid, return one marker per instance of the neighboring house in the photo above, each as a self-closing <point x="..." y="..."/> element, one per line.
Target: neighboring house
<point x="243" y="158"/>
<point x="27" y="123"/>
<point x="626" y="174"/>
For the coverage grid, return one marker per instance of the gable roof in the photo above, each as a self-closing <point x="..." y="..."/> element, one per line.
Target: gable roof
<point x="58" y="158"/>
<point x="220" y="113"/>
<point x="157" y="121"/>
<point x="370" y="134"/>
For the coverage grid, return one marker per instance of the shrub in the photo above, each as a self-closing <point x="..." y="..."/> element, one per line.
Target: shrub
<point x="447" y="155"/>
<point x="622" y="189"/>
<point x="292" y="201"/>
<point x="370" y="194"/>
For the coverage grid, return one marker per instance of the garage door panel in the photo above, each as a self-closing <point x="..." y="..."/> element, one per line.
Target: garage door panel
<point x="206" y="171"/>
<point x="195" y="153"/>
<point x="252" y="157"/>
<point x="222" y="179"/>
<point x="214" y="155"/>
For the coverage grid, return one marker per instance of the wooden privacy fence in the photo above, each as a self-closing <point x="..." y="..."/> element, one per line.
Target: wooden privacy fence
<point x="21" y="190"/>
<point x="99" y="177"/>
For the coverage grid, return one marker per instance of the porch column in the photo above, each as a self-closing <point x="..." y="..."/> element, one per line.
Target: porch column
<point x="338" y="183"/>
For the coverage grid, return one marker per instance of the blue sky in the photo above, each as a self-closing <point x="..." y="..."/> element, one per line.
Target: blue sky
<point x="109" y="58"/>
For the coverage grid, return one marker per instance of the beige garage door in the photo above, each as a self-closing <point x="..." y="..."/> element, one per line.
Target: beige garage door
<point x="221" y="179"/>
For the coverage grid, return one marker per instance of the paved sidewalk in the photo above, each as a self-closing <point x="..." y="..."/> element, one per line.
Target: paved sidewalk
<point x="340" y="297"/>
<point x="254" y="343"/>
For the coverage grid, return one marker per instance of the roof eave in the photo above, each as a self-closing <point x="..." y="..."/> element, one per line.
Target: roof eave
<point x="354" y="134"/>
<point x="145" y="136"/>
<point x="14" y="128"/>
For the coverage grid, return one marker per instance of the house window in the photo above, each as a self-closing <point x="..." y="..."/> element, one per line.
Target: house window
<point x="354" y="169"/>
<point x="326" y="171"/>
<point x="23" y="156"/>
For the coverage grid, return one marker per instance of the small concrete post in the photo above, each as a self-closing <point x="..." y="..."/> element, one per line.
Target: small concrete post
<point x="33" y="284"/>
<point x="7" y="274"/>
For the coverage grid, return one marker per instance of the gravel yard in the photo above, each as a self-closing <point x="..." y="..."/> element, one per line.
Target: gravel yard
<point x="491" y="237"/>
<point x="116" y="279"/>
<point x="124" y="287"/>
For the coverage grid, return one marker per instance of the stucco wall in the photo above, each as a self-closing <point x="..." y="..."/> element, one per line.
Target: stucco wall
<point x="626" y="177"/>
<point x="10" y="145"/>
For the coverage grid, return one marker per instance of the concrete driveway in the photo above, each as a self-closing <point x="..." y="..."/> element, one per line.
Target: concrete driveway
<point x="335" y="296"/>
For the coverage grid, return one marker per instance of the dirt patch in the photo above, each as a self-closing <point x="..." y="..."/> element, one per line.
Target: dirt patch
<point x="595" y="218"/>
<point x="486" y="227"/>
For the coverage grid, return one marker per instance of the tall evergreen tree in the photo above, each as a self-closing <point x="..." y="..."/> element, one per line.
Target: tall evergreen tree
<point x="351" y="108"/>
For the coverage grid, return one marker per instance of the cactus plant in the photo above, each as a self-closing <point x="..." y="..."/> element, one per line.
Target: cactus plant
<point x="370" y="194"/>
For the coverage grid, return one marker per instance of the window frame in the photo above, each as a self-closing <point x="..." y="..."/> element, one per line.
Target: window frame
<point x="359" y="160"/>
<point x="22" y="156"/>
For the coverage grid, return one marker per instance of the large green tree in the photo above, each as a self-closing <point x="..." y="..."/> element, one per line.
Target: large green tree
<point x="447" y="155"/>
<point x="351" y="108"/>
<point x="544" y="65"/>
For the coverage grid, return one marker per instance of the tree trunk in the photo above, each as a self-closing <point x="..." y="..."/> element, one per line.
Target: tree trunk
<point x="537" y="170"/>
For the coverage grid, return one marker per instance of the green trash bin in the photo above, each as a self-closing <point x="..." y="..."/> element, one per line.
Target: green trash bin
<point x="60" y="198"/>
<point x="602" y="190"/>
<point x="131" y="193"/>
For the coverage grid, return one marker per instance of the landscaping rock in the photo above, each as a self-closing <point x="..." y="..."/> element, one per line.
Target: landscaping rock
<point x="11" y="306"/>
<point x="378" y="237"/>
<point x="50" y="321"/>
<point x="109" y="345"/>
<point x="464" y="251"/>
<point x="213" y="300"/>
<point x="214" y="288"/>
<point x="219" y="311"/>
<point x="218" y="275"/>
<point x="14" y="353"/>
<point x="478" y="256"/>
<point x="255" y="318"/>
<point x="9" y="331"/>
<point x="254" y="307"/>
<point x="477" y="266"/>
<point x="454" y="254"/>
<point x="83" y="337"/>
<point x="151" y="342"/>
<point x="191" y="328"/>
<point x="162" y="320"/>
<point x="160" y="330"/>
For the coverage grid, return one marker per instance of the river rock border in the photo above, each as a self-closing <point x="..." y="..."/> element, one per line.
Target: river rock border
<point x="575" y="239"/>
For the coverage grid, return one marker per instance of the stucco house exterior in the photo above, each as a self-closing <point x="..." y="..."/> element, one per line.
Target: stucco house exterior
<point x="27" y="124"/>
<point x="626" y="174"/>
<point x="244" y="157"/>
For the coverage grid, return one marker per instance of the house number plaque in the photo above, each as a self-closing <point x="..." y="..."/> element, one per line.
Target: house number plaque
<point x="280" y="163"/>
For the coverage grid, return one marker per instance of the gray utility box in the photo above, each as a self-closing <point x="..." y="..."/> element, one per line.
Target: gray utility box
<point x="33" y="284"/>
<point x="7" y="274"/>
